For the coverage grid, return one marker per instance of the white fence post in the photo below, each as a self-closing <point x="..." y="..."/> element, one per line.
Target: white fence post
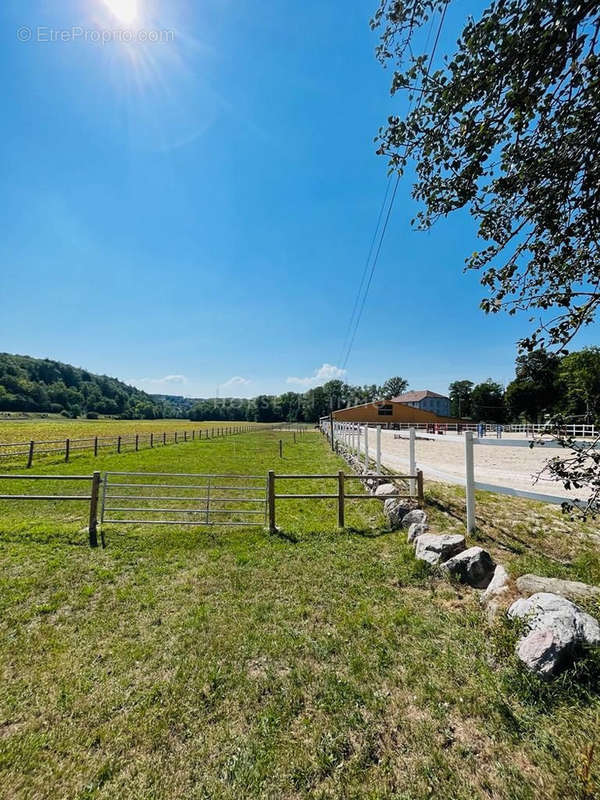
<point x="470" y="476"/>
<point x="412" y="461"/>
<point x="358" y="439"/>
<point x="366" y="446"/>
<point x="378" y="467"/>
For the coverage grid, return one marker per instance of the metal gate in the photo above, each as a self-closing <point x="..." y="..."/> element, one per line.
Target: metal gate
<point x="169" y="498"/>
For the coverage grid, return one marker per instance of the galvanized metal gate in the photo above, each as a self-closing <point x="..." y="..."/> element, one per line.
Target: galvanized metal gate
<point x="168" y="498"/>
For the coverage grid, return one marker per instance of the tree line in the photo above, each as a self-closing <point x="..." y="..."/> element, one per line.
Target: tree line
<point x="545" y="384"/>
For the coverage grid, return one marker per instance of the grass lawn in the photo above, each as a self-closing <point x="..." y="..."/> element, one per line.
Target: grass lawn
<point x="225" y="663"/>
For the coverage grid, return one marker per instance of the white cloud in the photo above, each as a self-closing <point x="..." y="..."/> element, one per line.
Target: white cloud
<point x="237" y="380"/>
<point x="326" y="372"/>
<point x="167" y="382"/>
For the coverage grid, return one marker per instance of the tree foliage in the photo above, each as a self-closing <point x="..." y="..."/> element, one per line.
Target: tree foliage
<point x="508" y="128"/>
<point x="460" y="398"/>
<point x="394" y="387"/>
<point x="41" y="385"/>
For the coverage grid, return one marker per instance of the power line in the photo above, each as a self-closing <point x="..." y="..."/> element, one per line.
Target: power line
<point x="364" y="272"/>
<point x="389" y="211"/>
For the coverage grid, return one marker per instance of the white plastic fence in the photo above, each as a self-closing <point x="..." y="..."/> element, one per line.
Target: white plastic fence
<point x="355" y="437"/>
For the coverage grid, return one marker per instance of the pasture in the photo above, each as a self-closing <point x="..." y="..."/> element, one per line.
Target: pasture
<point x="23" y="430"/>
<point x="318" y="663"/>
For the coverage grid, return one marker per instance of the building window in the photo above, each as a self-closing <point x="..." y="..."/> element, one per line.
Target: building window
<point x="385" y="410"/>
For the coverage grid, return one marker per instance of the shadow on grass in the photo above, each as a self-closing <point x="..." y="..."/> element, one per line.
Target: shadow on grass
<point x="285" y="536"/>
<point x="369" y="533"/>
<point x="45" y="537"/>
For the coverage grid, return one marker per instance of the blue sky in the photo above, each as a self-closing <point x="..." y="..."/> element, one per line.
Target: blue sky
<point x="195" y="212"/>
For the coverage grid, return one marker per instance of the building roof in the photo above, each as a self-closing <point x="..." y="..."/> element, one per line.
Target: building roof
<point x="415" y="397"/>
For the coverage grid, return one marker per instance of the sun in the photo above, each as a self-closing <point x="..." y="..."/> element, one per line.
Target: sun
<point x="126" y="11"/>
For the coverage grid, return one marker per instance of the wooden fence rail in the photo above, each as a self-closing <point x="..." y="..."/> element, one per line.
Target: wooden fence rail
<point x="340" y="494"/>
<point x="92" y="497"/>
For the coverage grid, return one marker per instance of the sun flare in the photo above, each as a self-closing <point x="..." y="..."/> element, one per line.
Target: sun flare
<point x="126" y="11"/>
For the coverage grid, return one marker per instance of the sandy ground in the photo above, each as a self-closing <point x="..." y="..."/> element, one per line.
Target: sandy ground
<point x="443" y="459"/>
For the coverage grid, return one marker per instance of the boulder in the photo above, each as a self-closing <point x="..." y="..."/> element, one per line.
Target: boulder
<point x="416" y="529"/>
<point x="416" y="515"/>
<point x="473" y="566"/>
<point x="395" y="510"/>
<point x="384" y="489"/>
<point x="572" y="590"/>
<point x="437" y="549"/>
<point x="498" y="593"/>
<point x="555" y="627"/>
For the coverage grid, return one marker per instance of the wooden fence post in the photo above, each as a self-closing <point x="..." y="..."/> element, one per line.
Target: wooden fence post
<point x="420" y="496"/>
<point x="470" y="481"/>
<point x="151" y="440"/>
<point x="30" y="456"/>
<point x="67" y="449"/>
<point x="412" y="468"/>
<point x="193" y="436"/>
<point x="93" y="524"/>
<point x="175" y="437"/>
<point x="95" y="445"/>
<point x="280" y="449"/>
<point x="118" y="444"/>
<point x="271" y="500"/>
<point x="137" y="442"/>
<point x="340" y="499"/>
<point x="164" y="438"/>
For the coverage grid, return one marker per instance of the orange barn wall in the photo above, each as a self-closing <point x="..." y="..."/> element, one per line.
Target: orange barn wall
<point x="400" y="413"/>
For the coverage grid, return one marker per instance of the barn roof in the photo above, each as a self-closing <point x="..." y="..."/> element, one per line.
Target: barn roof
<point x="414" y="397"/>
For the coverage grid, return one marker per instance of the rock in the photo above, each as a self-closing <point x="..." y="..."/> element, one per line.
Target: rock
<point x="435" y="549"/>
<point x="416" y="529"/>
<point x="395" y="510"/>
<point x="498" y="593"/>
<point x="386" y="488"/>
<point x="572" y="590"/>
<point x="473" y="566"/>
<point x="555" y="626"/>
<point x="416" y="515"/>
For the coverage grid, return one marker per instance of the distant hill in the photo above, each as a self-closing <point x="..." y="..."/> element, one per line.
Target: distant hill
<point x="41" y="385"/>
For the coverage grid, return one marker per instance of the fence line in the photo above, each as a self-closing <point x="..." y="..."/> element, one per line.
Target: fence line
<point x="340" y="495"/>
<point x="113" y="487"/>
<point x="92" y="498"/>
<point x="119" y="443"/>
<point x="531" y="429"/>
<point x="350" y="434"/>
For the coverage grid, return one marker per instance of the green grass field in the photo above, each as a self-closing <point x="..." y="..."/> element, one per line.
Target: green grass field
<point x="227" y="663"/>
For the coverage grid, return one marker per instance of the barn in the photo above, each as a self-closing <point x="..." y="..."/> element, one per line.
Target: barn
<point x="389" y="413"/>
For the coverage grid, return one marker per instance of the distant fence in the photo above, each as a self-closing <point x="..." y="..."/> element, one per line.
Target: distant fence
<point x="117" y="444"/>
<point x="581" y="431"/>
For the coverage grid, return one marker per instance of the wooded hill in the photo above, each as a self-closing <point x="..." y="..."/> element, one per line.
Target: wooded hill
<point x="41" y="385"/>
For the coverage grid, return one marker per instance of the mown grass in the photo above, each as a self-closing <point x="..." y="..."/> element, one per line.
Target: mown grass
<point x="231" y="664"/>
